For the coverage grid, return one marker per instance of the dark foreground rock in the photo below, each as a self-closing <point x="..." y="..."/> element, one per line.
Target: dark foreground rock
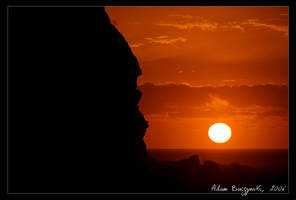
<point x="76" y="125"/>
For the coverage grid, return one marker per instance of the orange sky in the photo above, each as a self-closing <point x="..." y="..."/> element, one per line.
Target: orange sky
<point x="203" y="65"/>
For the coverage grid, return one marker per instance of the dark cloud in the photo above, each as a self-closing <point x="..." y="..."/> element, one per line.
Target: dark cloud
<point x="180" y="100"/>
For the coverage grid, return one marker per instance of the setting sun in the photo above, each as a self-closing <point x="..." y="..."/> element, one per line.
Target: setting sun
<point x="219" y="133"/>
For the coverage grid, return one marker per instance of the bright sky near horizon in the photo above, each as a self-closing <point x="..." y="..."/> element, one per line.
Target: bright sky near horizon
<point x="203" y="65"/>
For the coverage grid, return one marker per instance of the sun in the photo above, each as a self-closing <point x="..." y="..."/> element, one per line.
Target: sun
<point x="219" y="133"/>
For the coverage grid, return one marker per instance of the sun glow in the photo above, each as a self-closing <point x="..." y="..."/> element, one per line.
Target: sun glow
<point x="219" y="133"/>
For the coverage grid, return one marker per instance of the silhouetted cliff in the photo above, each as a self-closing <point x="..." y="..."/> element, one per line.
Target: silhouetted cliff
<point x="76" y="125"/>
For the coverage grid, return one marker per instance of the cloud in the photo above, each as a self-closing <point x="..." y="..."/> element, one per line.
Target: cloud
<point x="255" y="23"/>
<point x="233" y="25"/>
<point x="204" y="26"/>
<point x="238" y="27"/>
<point x="181" y="100"/>
<point x="165" y="40"/>
<point x="136" y="45"/>
<point x="217" y="103"/>
<point x="229" y="81"/>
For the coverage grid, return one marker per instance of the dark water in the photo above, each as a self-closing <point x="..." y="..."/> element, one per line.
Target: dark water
<point x="271" y="159"/>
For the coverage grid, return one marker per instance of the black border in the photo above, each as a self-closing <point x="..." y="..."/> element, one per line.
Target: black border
<point x="4" y="93"/>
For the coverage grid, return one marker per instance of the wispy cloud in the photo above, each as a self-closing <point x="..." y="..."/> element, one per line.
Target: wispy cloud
<point x="233" y="25"/>
<point x="204" y="26"/>
<point x="217" y="103"/>
<point x="238" y="27"/>
<point x="229" y="81"/>
<point x="256" y="23"/>
<point x="137" y="45"/>
<point x="165" y="40"/>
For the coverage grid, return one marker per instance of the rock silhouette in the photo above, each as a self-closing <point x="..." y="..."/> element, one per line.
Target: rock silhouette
<point x="77" y="125"/>
<point x="75" y="121"/>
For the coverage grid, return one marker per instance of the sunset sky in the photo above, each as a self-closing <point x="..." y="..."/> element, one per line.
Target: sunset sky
<point x="202" y="65"/>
